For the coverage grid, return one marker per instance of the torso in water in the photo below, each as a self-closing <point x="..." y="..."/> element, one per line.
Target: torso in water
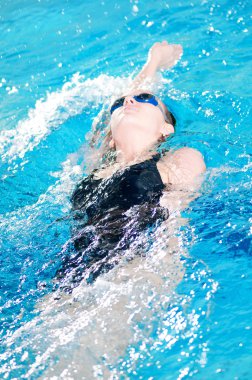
<point x="110" y="214"/>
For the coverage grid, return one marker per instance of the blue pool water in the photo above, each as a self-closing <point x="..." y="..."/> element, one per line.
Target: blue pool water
<point x="177" y="313"/>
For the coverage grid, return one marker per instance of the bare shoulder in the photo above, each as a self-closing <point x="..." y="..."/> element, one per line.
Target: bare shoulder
<point x="187" y="156"/>
<point x="182" y="166"/>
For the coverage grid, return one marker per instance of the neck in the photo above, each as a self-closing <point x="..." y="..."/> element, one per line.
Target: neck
<point x="131" y="156"/>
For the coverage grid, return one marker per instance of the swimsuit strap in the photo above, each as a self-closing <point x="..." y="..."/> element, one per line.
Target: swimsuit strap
<point x="156" y="157"/>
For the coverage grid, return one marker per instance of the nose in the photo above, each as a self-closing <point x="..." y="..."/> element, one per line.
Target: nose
<point x="129" y="100"/>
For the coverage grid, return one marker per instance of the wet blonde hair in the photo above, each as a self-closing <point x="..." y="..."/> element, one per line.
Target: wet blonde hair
<point x="100" y="152"/>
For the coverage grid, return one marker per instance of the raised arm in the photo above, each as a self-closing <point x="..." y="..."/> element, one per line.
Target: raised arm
<point x="161" y="56"/>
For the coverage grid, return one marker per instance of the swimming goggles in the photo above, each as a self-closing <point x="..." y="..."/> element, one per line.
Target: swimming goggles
<point x="140" y="98"/>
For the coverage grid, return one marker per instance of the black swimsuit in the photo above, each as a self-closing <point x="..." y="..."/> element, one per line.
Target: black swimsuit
<point x="109" y="215"/>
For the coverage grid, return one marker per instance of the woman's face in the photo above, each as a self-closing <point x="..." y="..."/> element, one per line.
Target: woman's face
<point x="140" y="124"/>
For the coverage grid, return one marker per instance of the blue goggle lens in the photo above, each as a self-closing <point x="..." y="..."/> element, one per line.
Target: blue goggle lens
<point x="141" y="98"/>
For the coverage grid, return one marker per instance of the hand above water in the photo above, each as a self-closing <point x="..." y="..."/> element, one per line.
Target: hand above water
<point x="163" y="55"/>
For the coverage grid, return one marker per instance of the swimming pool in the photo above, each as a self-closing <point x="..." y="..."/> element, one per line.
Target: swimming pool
<point x="166" y="316"/>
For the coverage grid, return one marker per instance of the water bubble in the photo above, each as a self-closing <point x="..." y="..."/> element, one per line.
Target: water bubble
<point x="135" y="8"/>
<point x="149" y="24"/>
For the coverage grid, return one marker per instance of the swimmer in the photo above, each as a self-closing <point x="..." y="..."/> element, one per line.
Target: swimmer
<point x="115" y="203"/>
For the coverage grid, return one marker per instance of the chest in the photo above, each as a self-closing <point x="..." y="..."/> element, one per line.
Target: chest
<point x="133" y="186"/>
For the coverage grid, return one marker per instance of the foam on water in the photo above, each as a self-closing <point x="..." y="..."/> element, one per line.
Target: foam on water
<point x="74" y="97"/>
<point x="82" y="332"/>
<point x="182" y="309"/>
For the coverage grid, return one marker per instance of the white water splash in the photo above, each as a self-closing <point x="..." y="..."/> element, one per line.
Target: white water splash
<point x="92" y="329"/>
<point x="90" y="321"/>
<point x="49" y="113"/>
